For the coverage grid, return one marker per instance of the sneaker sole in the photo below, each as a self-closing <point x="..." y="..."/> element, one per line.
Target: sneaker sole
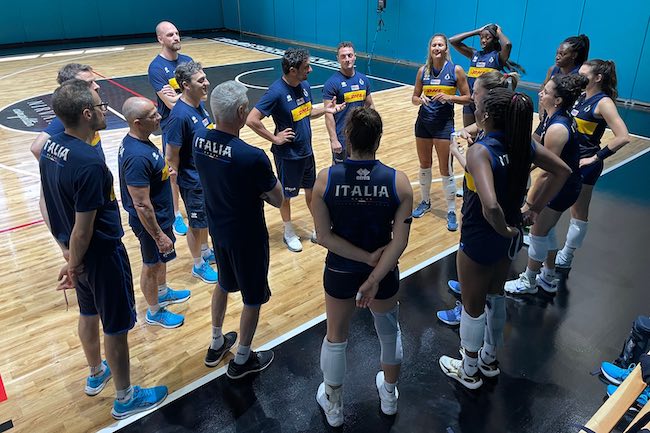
<point x="215" y="363"/>
<point x="91" y="392"/>
<point x="154" y="323"/>
<point x="475" y="385"/>
<point x="525" y="292"/>
<point x="194" y="274"/>
<point x="610" y="378"/>
<point x="175" y="301"/>
<point x="489" y="372"/>
<point x="257" y="370"/>
<point x="293" y="250"/>
<point x="133" y="412"/>
<point x="452" y="229"/>
<point x="448" y="322"/>
<point x="422" y="214"/>
<point x="549" y="291"/>
<point x="178" y="234"/>
<point x="452" y="288"/>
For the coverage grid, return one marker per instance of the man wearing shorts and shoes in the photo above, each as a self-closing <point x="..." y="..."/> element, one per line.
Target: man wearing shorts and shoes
<point x="161" y="77"/>
<point x="146" y="195"/>
<point x="84" y="219"/>
<point x="187" y="118"/>
<point x="237" y="179"/>
<point x="289" y="102"/>
<point x="349" y="86"/>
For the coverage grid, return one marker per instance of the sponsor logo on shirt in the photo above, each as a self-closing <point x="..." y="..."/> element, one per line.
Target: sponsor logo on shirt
<point x="363" y="174"/>
<point x="358" y="191"/>
<point x="344" y="84"/>
<point x="432" y="90"/>
<point x="354" y="87"/>
<point x="301" y="111"/>
<point x="358" y="96"/>
<point x="289" y="99"/>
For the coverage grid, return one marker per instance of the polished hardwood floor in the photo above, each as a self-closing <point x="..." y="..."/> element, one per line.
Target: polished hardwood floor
<point x="41" y="361"/>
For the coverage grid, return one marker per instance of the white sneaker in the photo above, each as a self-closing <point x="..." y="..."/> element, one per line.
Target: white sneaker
<point x="454" y="368"/>
<point x="293" y="243"/>
<point x="388" y="399"/>
<point x="487" y="370"/>
<point x="520" y="286"/>
<point x="332" y="405"/>
<point x="313" y="237"/>
<point x="547" y="286"/>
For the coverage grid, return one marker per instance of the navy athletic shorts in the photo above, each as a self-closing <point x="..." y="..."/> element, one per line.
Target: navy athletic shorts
<point x="440" y="129"/>
<point x="148" y="247"/>
<point x="195" y="207"/>
<point x="245" y="269"/>
<point x="295" y="174"/>
<point x="345" y="285"/>
<point x="486" y="247"/>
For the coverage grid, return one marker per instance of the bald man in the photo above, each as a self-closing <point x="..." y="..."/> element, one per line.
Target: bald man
<point x="161" y="77"/>
<point x="146" y="196"/>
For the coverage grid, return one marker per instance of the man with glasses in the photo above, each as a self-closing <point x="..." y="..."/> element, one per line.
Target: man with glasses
<point x="84" y="219"/>
<point x="146" y="196"/>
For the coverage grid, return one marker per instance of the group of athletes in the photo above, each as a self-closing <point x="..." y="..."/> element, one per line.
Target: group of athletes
<point x="362" y="209"/>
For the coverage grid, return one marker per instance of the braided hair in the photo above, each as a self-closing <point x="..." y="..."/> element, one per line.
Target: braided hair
<point x="509" y="66"/>
<point x="579" y="45"/>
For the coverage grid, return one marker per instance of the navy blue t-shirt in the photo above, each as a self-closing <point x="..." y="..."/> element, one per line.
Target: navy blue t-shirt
<point x="75" y="178"/>
<point x="352" y="90"/>
<point x="361" y="197"/>
<point x="433" y="82"/>
<point x="290" y="107"/>
<point x="571" y="151"/>
<point x="234" y="174"/>
<point x="141" y="164"/>
<point x="161" y="72"/>
<point x="590" y="127"/>
<point x="480" y="63"/>
<point x="185" y="121"/>
<point x="56" y="127"/>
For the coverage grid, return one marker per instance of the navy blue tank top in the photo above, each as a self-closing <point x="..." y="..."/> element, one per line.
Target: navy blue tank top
<point x="571" y="151"/>
<point x="444" y="81"/>
<point x="361" y="197"/>
<point x="590" y="128"/>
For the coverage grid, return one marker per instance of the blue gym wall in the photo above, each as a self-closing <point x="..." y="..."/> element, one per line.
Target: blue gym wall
<point x="50" y="20"/>
<point x="620" y="33"/>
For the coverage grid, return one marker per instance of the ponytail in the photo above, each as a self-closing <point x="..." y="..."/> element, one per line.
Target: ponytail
<point x="607" y="69"/>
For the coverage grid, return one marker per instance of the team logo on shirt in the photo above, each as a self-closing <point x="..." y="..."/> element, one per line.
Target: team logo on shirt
<point x="195" y="120"/>
<point x="447" y="77"/>
<point x="491" y="60"/>
<point x="587" y="108"/>
<point x="304" y="91"/>
<point x="155" y="155"/>
<point x="289" y="98"/>
<point x="361" y="81"/>
<point x="363" y="174"/>
<point x="344" y="84"/>
<point x="475" y="58"/>
<point x="167" y="70"/>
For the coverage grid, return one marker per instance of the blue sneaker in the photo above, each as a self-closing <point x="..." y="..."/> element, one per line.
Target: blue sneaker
<point x="421" y="209"/>
<point x="454" y="286"/>
<point x="179" y="227"/>
<point x="642" y="400"/>
<point x="95" y="384"/>
<point x="165" y="318"/>
<point x="615" y="374"/>
<point x="205" y="273"/>
<point x="174" y="297"/>
<point x="451" y="317"/>
<point x="452" y="224"/>
<point x="143" y="399"/>
<point x="210" y="258"/>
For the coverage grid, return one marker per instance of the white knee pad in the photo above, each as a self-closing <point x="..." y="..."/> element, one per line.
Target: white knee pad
<point x="390" y="336"/>
<point x="576" y="234"/>
<point x="551" y="240"/>
<point x="449" y="187"/>
<point x="538" y="248"/>
<point x="495" y="318"/>
<point x="333" y="362"/>
<point x="472" y="330"/>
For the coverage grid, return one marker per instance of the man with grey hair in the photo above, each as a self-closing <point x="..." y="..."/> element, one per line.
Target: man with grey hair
<point x="84" y="218"/>
<point x="187" y="117"/>
<point x="237" y="178"/>
<point x="161" y="77"/>
<point x="146" y="196"/>
<point x="288" y="100"/>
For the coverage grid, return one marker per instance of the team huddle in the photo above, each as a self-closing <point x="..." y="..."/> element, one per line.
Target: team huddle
<point x="362" y="209"/>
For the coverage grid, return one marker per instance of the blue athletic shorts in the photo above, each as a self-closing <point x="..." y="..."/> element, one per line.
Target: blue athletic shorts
<point x="590" y="173"/>
<point x="105" y="286"/>
<point x="440" y="129"/>
<point x="295" y="174"/>
<point x="345" y="285"/>
<point x="566" y="197"/>
<point x="148" y="247"/>
<point x="195" y="207"/>
<point x="486" y="247"/>
<point x="245" y="269"/>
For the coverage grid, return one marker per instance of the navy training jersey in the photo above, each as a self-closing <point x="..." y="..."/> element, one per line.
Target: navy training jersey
<point x="361" y="197"/>
<point x="473" y="219"/>
<point x="234" y="174"/>
<point x="75" y="178"/>
<point x="590" y="127"/>
<point x="557" y="71"/>
<point x="442" y="81"/>
<point x="290" y="107"/>
<point x="142" y="165"/>
<point x="185" y="121"/>
<point x="56" y="127"/>
<point x="571" y="151"/>
<point x="480" y="63"/>
<point x="161" y="72"/>
<point x="352" y="90"/>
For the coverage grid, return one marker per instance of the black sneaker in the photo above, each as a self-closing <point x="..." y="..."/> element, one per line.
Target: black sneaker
<point x="214" y="356"/>
<point x="257" y="361"/>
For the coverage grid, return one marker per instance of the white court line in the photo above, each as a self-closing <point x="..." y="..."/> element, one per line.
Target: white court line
<point x="117" y="113"/>
<point x="104" y="50"/>
<point x="19" y="171"/>
<point x="63" y="53"/>
<point x="254" y="86"/>
<point x="25" y="57"/>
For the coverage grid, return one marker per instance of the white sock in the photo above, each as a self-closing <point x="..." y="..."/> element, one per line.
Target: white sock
<point x="390" y="387"/>
<point x="548" y="274"/>
<point x="97" y="371"/>
<point x="242" y="355"/>
<point x="217" y="338"/>
<point x="163" y="289"/>
<point x="153" y="309"/>
<point x="470" y="365"/>
<point x="198" y="261"/>
<point x="205" y="250"/>
<point x="531" y="275"/>
<point x="489" y="353"/>
<point x="425" y="184"/>
<point x="288" y="229"/>
<point x="449" y="192"/>
<point x="124" y="395"/>
<point x="178" y="214"/>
